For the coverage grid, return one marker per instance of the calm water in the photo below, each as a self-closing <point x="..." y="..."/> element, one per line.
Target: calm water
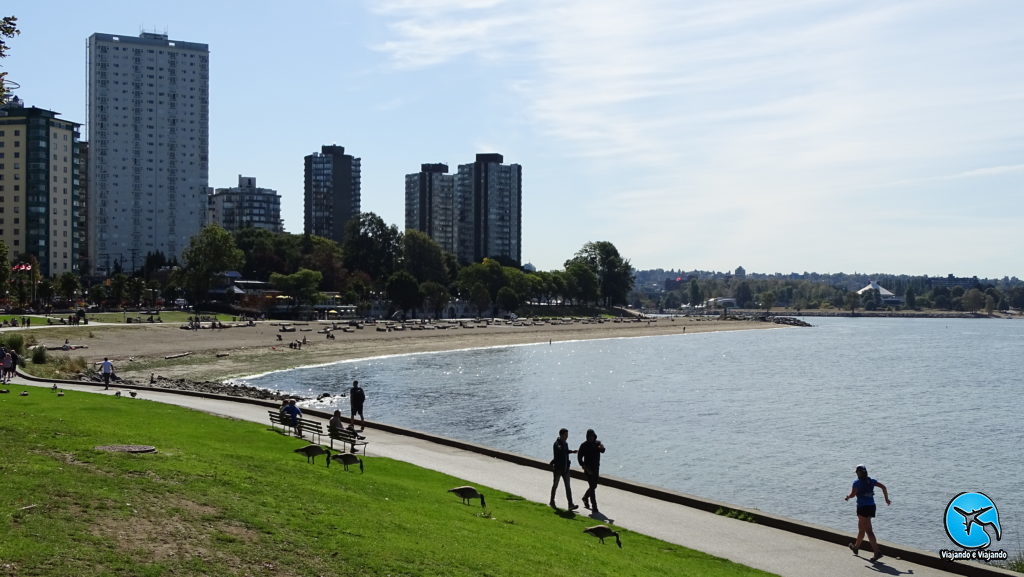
<point x="774" y="420"/>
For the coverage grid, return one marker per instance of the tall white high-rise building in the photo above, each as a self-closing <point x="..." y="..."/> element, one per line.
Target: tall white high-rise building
<point x="148" y="131"/>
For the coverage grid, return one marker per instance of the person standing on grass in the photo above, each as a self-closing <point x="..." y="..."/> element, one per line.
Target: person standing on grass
<point x="5" y="370"/>
<point x="356" y="396"/>
<point x="864" y="490"/>
<point x="560" y="465"/>
<point x="589" y="457"/>
<point x="106" y="369"/>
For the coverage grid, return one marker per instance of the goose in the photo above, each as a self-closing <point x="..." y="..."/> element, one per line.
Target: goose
<point x="60" y="393"/>
<point x="311" y="451"/>
<point x="602" y="531"/>
<point x="134" y="394"/>
<point x="466" y="493"/>
<point x="23" y="394"/>
<point x="117" y="394"/>
<point x="346" y="459"/>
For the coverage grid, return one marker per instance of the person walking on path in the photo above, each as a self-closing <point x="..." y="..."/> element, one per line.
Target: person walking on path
<point x="589" y="457"/>
<point x="107" y="369"/>
<point x="356" y="397"/>
<point x="864" y="490"/>
<point x="560" y="465"/>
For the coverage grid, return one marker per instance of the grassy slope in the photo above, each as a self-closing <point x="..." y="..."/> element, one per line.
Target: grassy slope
<point x="224" y="497"/>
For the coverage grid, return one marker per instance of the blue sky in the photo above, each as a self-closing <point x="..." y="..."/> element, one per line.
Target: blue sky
<point x="781" y="136"/>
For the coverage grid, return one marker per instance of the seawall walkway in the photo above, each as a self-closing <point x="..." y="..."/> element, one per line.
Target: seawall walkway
<point x="775" y="544"/>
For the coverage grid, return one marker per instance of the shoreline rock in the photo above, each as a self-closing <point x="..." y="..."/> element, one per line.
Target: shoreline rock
<point x="212" y="387"/>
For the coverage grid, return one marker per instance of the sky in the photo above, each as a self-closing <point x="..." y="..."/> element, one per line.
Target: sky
<point x="779" y="135"/>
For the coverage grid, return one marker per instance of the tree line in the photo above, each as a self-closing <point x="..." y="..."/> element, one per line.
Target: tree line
<point x="375" y="262"/>
<point x="836" y="292"/>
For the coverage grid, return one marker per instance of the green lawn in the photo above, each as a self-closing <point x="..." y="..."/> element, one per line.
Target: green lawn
<point x="225" y="497"/>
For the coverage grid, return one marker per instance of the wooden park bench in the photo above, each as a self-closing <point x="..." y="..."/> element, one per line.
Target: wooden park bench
<point x="314" y="428"/>
<point x="349" y="437"/>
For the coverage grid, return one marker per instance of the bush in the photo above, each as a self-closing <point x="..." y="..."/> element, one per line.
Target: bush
<point x="39" y="355"/>
<point x="13" y="341"/>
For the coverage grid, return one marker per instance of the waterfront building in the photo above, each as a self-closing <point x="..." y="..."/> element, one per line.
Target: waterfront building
<point x="39" y="187"/>
<point x="332" y="192"/>
<point x="488" y="210"/>
<point x="245" y="206"/>
<point x="430" y="203"/>
<point x="148" y="128"/>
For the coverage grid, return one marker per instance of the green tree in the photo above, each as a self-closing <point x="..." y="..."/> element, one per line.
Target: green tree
<point x="68" y="286"/>
<point x="480" y="297"/>
<point x="423" y="258"/>
<point x="435" y="297"/>
<point x="135" y="287"/>
<point x="508" y="299"/>
<point x="767" y="300"/>
<point x="614" y="274"/>
<point x="8" y="29"/>
<point x="372" y="246"/>
<point x="210" y="252"/>
<point x="487" y="272"/>
<point x="267" y="252"/>
<point x="324" y="255"/>
<point x="852" y="301"/>
<point x="696" y="297"/>
<point x="910" y="298"/>
<point x="743" y="295"/>
<point x="584" y="282"/>
<point x="98" y="294"/>
<point x="973" y="300"/>
<point x="403" y="291"/>
<point x="302" y="285"/>
<point x="118" y="289"/>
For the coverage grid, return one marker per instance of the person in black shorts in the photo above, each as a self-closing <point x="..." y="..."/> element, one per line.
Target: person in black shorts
<point x="356" y="397"/>
<point x="864" y="490"/>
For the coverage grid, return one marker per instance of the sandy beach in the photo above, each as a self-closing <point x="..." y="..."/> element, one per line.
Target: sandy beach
<point x="141" y="350"/>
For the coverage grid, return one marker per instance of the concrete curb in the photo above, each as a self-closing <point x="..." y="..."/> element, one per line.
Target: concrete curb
<point x="920" y="557"/>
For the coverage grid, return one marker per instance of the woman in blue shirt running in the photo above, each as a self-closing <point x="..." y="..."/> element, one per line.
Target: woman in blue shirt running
<point x="864" y="490"/>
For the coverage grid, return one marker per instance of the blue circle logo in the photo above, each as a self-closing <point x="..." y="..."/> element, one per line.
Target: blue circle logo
<point x="972" y="520"/>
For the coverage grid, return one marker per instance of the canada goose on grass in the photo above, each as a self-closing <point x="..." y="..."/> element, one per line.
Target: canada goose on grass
<point x="466" y="493"/>
<point x="602" y="531"/>
<point x="311" y="451"/>
<point x="346" y="459"/>
<point x="134" y="394"/>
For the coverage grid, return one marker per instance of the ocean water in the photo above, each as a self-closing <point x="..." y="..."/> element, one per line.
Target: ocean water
<point x="774" y="420"/>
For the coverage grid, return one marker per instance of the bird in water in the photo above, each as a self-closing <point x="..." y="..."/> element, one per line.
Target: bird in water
<point x="602" y="531"/>
<point x="346" y="459"/>
<point x="311" y="451"/>
<point x="466" y="493"/>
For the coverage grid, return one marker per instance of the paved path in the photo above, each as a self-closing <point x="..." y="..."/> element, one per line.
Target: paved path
<point x="782" y="552"/>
